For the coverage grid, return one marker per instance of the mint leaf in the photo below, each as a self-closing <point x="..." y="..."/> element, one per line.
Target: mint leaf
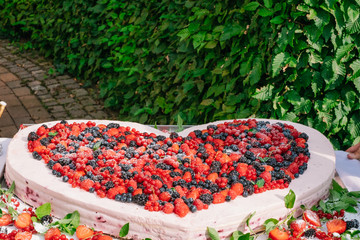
<point x="270" y="224"/>
<point x="124" y="230"/>
<point x="53" y="133"/>
<point x="43" y="210"/>
<point x="97" y="145"/>
<point x="214" y="235"/>
<point x="290" y="199"/>
<point x="260" y="183"/>
<point x="69" y="223"/>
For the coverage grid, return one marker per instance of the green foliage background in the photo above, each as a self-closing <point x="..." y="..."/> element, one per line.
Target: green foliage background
<point x="206" y="60"/>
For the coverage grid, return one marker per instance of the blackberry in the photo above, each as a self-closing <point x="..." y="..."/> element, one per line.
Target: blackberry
<point x="211" y="126"/>
<point x="140" y="199"/>
<point x="64" y="161"/>
<point x="109" y="184"/>
<point x="60" y="148"/>
<point x="215" y="166"/>
<point x="36" y="155"/>
<point x="198" y="133"/>
<point x="173" y="135"/>
<point x="32" y="136"/>
<point x="161" y="138"/>
<point x="354" y="223"/>
<point x="304" y="136"/>
<point x="310" y="233"/>
<point x="206" y="198"/>
<point x="113" y="125"/>
<point x="45" y="220"/>
<point x="45" y="141"/>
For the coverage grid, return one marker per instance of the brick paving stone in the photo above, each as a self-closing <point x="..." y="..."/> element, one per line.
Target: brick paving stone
<point x="64" y="101"/>
<point x="17" y="111"/>
<point x="8" y="77"/>
<point x="10" y="99"/>
<point x="6" y="120"/>
<point x="23" y="120"/>
<point x="8" y="131"/>
<point x="22" y="91"/>
<point x="30" y="101"/>
<point x="5" y="90"/>
<point x="99" y="115"/>
<point x="15" y="84"/>
<point x="77" y="113"/>
<point x="60" y="115"/>
<point x="51" y="81"/>
<point x="56" y="108"/>
<point x="38" y="113"/>
<point x="3" y="70"/>
<point x="79" y="92"/>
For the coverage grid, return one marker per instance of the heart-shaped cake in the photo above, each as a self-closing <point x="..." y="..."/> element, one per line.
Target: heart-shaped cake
<point x="170" y="185"/>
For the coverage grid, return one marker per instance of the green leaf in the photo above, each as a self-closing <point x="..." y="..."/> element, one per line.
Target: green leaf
<point x="97" y="145"/>
<point x="213" y="234"/>
<point x="277" y="62"/>
<point x="260" y="183"/>
<point x="69" y="223"/>
<point x="343" y="51"/>
<point x="264" y="12"/>
<point x="268" y="3"/>
<point x="270" y="224"/>
<point x="252" y="6"/>
<point x="43" y="210"/>
<point x="290" y="199"/>
<point x="180" y="122"/>
<point x="207" y="102"/>
<point x="264" y="93"/>
<point x="53" y="133"/>
<point x="277" y="20"/>
<point x="124" y="230"/>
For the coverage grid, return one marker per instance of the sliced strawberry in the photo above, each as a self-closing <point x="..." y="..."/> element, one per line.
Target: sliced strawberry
<point x="23" y="220"/>
<point x="298" y="225"/>
<point x="83" y="232"/>
<point x="181" y="209"/>
<point x="212" y="176"/>
<point x="23" y="236"/>
<point x="312" y="218"/>
<point x="218" y="198"/>
<point x="104" y="237"/>
<point x="336" y="226"/>
<point x="266" y="176"/>
<point x="5" y="220"/>
<point x="52" y="232"/>
<point x="277" y="234"/>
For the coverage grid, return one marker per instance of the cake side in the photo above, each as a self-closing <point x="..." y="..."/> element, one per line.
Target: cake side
<point x="35" y="185"/>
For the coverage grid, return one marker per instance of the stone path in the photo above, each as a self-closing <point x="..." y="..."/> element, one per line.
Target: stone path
<point x="33" y="95"/>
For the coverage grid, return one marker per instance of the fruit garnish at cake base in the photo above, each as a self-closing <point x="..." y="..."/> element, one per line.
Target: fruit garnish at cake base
<point x="173" y="174"/>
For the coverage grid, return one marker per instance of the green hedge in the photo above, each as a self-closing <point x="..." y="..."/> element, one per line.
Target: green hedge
<point x="156" y="61"/>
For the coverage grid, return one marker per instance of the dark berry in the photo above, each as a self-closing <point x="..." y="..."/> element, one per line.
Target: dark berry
<point x="310" y="233"/>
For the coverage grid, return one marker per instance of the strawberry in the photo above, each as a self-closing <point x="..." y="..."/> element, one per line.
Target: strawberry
<point x="242" y="169"/>
<point x="199" y="204"/>
<point x="298" y="226"/>
<point x="23" y="235"/>
<point x="112" y="192"/>
<point x="23" y="220"/>
<point x="293" y="168"/>
<point x="51" y="232"/>
<point x="238" y="188"/>
<point x="212" y="176"/>
<point x="181" y="209"/>
<point x="168" y="208"/>
<point x="87" y="184"/>
<point x="5" y="220"/>
<point x="104" y="237"/>
<point x="266" y="176"/>
<point x="187" y="176"/>
<point x="83" y="232"/>
<point x="194" y="194"/>
<point x="336" y="226"/>
<point x="165" y="196"/>
<point x="218" y="198"/>
<point x="312" y="218"/>
<point x="277" y="234"/>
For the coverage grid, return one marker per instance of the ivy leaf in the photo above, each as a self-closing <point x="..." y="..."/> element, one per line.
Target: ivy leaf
<point x="290" y="199"/>
<point x="124" y="230"/>
<point x="43" y="210"/>
<point x="214" y="235"/>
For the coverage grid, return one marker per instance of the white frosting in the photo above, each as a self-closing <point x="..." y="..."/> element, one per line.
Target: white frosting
<point x="36" y="185"/>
